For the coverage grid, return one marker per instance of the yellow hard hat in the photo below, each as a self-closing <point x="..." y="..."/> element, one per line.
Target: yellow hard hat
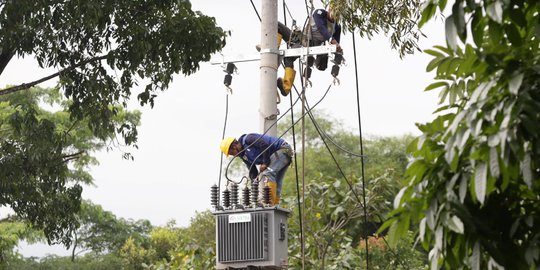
<point x="226" y="144"/>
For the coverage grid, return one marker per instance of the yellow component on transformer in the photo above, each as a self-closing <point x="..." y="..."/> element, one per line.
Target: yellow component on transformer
<point x="274" y="198"/>
<point x="226" y="145"/>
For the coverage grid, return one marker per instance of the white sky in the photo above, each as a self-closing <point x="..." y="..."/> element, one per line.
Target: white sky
<point x="178" y="156"/>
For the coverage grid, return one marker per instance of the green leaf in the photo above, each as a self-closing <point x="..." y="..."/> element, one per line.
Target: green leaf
<point x="427" y="14"/>
<point x="480" y="181"/>
<point x="475" y="257"/>
<point x="525" y="166"/>
<point x="513" y="34"/>
<point x="495" y="11"/>
<point x="516" y="15"/>
<point x="436" y="85"/>
<point x="478" y="28"/>
<point x="515" y="83"/>
<point x="459" y="20"/>
<point x="494" y="162"/>
<point x="495" y="32"/>
<point x="442" y="5"/>
<point x="455" y="224"/>
<point x="433" y="64"/>
<point x="434" y="53"/>
<point x="451" y="33"/>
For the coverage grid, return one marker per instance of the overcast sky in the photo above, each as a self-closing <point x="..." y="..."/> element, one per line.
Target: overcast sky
<point x="178" y="157"/>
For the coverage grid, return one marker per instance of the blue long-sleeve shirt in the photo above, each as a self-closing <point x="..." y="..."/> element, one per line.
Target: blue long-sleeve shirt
<point x="257" y="150"/>
<point x="322" y="29"/>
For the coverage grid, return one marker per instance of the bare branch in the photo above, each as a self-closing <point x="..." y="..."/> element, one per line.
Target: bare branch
<point x="25" y="86"/>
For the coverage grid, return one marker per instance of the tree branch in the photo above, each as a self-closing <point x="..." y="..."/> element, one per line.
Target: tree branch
<point x="25" y="86"/>
<point x="73" y="156"/>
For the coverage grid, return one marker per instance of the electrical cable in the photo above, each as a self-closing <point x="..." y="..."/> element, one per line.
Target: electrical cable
<point x="361" y="149"/>
<point x="223" y="137"/>
<point x="321" y="133"/>
<point x="254" y="8"/>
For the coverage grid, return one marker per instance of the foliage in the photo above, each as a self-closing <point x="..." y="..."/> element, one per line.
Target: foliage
<point x="101" y="231"/>
<point x="134" y="255"/>
<point x="334" y="218"/>
<point x="473" y="186"/>
<point x="404" y="256"/>
<point x="105" y="48"/>
<point x="11" y="232"/>
<point x="43" y="159"/>
<point x="194" y="247"/>
<point x="86" y="262"/>
<point x="397" y="18"/>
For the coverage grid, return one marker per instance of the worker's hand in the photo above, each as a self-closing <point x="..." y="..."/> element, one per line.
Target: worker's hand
<point x="263" y="167"/>
<point x="338" y="47"/>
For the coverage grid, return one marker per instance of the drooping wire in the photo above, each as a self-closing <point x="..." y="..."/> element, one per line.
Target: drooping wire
<point x="318" y="129"/>
<point x="361" y="149"/>
<point x="334" y="158"/>
<point x="268" y="129"/>
<point x="300" y="217"/>
<point x="223" y="137"/>
<point x="256" y="12"/>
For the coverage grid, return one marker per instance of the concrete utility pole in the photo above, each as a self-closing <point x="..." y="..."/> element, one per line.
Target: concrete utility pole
<point x="269" y="66"/>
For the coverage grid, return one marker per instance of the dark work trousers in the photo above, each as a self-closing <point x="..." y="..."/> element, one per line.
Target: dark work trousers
<point x="321" y="62"/>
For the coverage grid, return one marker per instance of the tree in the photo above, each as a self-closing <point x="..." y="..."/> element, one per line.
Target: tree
<point x="101" y="232"/>
<point x="11" y="232"/>
<point x="104" y="48"/>
<point x="473" y="185"/>
<point x="397" y="18"/>
<point x="334" y="218"/>
<point x="43" y="159"/>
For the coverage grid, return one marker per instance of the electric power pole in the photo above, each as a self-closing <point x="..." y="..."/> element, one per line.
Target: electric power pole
<point x="269" y="66"/>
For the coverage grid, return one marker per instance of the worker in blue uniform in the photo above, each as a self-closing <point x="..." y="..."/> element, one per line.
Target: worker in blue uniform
<point x="324" y="27"/>
<point x="273" y="156"/>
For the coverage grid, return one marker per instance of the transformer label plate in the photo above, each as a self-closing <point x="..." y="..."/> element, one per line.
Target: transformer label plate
<point x="237" y="218"/>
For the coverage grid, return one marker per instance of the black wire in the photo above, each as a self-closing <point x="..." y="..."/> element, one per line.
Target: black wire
<point x="335" y="143"/>
<point x="223" y="137"/>
<point x="262" y="152"/>
<point x="266" y="131"/>
<point x="302" y="248"/>
<point x="361" y="150"/>
<point x="254" y="8"/>
<point x="334" y="158"/>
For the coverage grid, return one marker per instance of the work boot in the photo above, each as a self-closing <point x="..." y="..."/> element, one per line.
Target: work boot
<point x="285" y="85"/>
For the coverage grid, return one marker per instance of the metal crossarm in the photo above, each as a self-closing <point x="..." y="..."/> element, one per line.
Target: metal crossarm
<point x="304" y="51"/>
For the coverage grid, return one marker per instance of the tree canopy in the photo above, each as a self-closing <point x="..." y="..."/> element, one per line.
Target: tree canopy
<point x="474" y="183"/>
<point x="396" y="18"/>
<point x="44" y="156"/>
<point x="104" y="49"/>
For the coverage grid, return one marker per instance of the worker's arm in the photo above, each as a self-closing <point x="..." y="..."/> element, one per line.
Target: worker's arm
<point x="337" y="33"/>
<point x="253" y="172"/>
<point x="319" y="16"/>
<point x="335" y="38"/>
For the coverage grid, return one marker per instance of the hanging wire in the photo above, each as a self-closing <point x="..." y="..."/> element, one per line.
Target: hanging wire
<point x="254" y="8"/>
<point x="223" y="137"/>
<point x="328" y="137"/>
<point x="361" y="150"/>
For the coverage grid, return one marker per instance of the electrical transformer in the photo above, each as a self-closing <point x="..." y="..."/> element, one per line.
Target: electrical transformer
<point x="249" y="235"/>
